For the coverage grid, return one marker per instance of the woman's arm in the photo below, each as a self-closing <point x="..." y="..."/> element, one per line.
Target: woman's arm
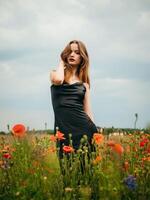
<point x="86" y="102"/>
<point x="57" y="76"/>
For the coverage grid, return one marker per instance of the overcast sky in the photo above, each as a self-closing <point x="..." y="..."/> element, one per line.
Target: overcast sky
<point x="117" y="36"/>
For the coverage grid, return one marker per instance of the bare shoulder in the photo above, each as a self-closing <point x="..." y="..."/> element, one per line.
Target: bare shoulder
<point x="86" y="85"/>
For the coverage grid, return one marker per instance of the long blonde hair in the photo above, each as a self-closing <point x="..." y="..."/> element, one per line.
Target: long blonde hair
<point x="83" y="68"/>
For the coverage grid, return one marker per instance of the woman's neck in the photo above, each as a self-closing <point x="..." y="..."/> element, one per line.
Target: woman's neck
<point x="74" y="76"/>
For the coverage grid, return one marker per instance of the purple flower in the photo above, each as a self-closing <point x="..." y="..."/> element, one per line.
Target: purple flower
<point x="130" y="181"/>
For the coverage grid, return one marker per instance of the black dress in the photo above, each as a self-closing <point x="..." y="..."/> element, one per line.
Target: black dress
<point x="70" y="117"/>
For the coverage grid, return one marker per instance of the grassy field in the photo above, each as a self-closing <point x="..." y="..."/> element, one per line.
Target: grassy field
<point x="118" y="168"/>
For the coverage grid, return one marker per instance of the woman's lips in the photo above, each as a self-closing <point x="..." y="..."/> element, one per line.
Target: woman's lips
<point x="71" y="59"/>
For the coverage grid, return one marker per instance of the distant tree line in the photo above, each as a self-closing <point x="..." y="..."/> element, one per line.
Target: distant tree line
<point x="105" y="131"/>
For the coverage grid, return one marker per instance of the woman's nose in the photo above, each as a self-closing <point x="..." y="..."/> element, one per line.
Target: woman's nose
<point x="72" y="53"/>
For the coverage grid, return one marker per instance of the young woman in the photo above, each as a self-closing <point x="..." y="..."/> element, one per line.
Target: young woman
<point x="70" y="93"/>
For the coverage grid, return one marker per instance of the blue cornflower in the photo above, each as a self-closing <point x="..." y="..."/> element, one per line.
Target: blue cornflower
<point x="130" y="181"/>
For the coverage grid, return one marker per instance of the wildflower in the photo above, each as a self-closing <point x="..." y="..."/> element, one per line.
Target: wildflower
<point x="19" y="130"/>
<point x="17" y="193"/>
<point x="59" y="135"/>
<point x="143" y="142"/>
<point x="7" y="155"/>
<point x="97" y="160"/>
<point x="68" y="189"/>
<point x="68" y="149"/>
<point x="98" y="138"/>
<point x="130" y="181"/>
<point x="53" y="138"/>
<point x="118" y="148"/>
<point x="45" y="178"/>
<point x="110" y="143"/>
<point x="6" y="148"/>
<point x="146" y="158"/>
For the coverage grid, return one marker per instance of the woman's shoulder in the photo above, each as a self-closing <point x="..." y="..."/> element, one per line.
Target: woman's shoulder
<point x="86" y="85"/>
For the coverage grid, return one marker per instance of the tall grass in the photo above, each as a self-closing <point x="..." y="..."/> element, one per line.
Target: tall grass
<point x="117" y="168"/>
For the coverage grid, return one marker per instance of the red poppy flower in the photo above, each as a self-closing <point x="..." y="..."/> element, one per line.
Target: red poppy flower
<point x="97" y="160"/>
<point x="59" y="135"/>
<point x="52" y="138"/>
<point x="110" y="143"/>
<point x="118" y="148"/>
<point x="98" y="138"/>
<point x="143" y="142"/>
<point x="68" y="149"/>
<point x="19" y="130"/>
<point x="7" y="156"/>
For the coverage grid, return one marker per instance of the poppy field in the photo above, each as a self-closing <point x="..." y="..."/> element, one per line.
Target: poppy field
<point x="113" y="167"/>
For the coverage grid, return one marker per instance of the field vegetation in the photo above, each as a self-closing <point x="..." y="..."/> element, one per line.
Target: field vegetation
<point x="116" y="167"/>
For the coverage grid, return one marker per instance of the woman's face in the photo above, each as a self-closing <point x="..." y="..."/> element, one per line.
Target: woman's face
<point x="74" y="58"/>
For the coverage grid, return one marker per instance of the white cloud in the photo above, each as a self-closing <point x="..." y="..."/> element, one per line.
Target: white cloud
<point x="134" y="92"/>
<point x="144" y="20"/>
<point x="20" y="81"/>
<point x="33" y="34"/>
<point x="118" y="99"/>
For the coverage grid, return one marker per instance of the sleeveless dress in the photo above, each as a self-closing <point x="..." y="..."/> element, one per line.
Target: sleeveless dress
<point x="70" y="117"/>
